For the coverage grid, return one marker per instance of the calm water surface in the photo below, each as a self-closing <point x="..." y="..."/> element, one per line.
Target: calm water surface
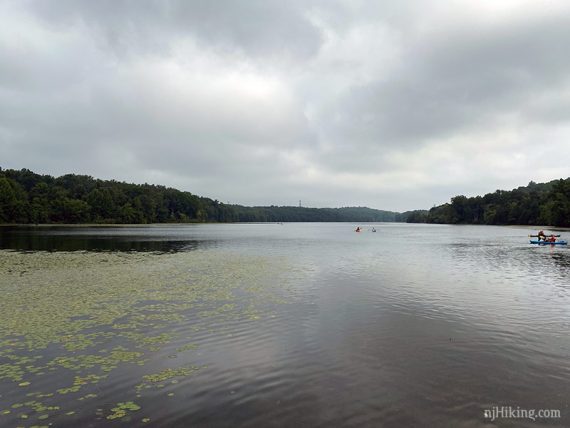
<point x="415" y="325"/>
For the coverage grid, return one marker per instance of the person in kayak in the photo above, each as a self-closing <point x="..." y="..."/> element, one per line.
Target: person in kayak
<point x="357" y="229"/>
<point x="541" y="236"/>
<point x="552" y="239"/>
<point x="373" y="229"/>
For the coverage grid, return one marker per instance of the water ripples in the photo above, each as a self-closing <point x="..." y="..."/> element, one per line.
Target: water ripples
<point x="411" y="326"/>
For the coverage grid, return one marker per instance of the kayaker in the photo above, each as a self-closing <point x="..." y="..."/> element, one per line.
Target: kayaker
<point x="357" y="229"/>
<point x="541" y="236"/>
<point x="552" y="239"/>
<point x="373" y="229"/>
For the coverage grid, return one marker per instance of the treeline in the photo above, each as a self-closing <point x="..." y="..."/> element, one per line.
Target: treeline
<point x="546" y="204"/>
<point x="26" y="197"/>
<point x="301" y="214"/>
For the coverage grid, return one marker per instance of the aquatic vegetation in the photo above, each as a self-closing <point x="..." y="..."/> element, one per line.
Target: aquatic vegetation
<point x="121" y="410"/>
<point x="79" y="382"/>
<point x="188" y="347"/>
<point x="158" y="379"/>
<point x="79" y="319"/>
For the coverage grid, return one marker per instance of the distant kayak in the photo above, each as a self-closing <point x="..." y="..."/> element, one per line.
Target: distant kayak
<point x="549" y="243"/>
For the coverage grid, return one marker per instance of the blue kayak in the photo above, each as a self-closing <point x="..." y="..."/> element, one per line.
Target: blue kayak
<point x="549" y="243"/>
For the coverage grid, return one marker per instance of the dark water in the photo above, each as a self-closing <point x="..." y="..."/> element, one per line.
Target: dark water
<point x="415" y="325"/>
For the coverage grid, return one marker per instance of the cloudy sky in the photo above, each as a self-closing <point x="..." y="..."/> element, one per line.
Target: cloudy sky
<point x="393" y="105"/>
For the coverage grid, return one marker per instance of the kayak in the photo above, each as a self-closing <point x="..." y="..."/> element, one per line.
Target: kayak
<point x="549" y="243"/>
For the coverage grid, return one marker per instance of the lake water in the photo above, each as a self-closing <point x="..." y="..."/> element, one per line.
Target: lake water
<point x="260" y="325"/>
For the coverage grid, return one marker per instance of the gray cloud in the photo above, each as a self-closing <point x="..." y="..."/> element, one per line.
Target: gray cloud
<point x="461" y="79"/>
<point x="395" y="106"/>
<point x="255" y="27"/>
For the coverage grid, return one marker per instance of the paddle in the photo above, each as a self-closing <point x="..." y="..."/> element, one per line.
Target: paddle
<point x="536" y="236"/>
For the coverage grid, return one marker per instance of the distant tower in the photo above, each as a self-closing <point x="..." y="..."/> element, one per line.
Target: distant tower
<point x="299" y="203"/>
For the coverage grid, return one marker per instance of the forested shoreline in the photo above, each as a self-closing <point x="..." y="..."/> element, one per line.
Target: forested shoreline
<point x="535" y="204"/>
<point x="29" y="198"/>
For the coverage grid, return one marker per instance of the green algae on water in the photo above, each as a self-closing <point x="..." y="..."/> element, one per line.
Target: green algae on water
<point x="121" y="410"/>
<point x="100" y="318"/>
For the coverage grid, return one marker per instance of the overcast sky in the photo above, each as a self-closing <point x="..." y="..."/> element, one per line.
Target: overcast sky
<point x="394" y="105"/>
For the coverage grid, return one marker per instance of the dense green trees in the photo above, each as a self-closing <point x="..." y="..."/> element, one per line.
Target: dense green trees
<point x="13" y="204"/>
<point x="547" y="204"/>
<point x="26" y="197"/>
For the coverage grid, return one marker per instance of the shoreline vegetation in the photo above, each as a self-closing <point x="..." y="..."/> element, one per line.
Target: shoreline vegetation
<point x="535" y="204"/>
<point x="27" y="198"/>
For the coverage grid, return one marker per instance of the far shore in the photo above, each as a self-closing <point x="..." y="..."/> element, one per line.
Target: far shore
<point x="103" y="225"/>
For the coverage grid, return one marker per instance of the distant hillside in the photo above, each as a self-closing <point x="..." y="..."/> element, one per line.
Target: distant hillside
<point x="546" y="203"/>
<point x="26" y="197"/>
<point x="284" y="213"/>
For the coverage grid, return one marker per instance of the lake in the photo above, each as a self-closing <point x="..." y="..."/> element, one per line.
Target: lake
<point x="260" y="325"/>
